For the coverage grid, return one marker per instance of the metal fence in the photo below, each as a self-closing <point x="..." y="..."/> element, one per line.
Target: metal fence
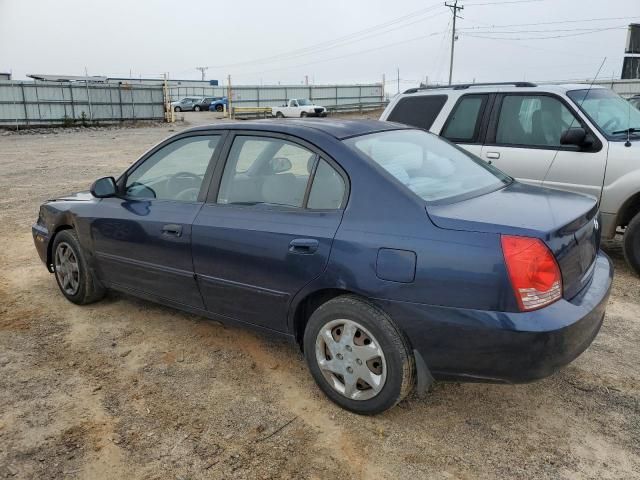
<point x="49" y="103"/>
<point x="271" y="95"/>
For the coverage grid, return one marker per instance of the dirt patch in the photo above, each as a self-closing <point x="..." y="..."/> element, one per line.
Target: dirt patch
<point x="128" y="389"/>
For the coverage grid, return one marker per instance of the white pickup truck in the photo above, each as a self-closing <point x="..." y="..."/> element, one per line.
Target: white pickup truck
<point x="298" y="107"/>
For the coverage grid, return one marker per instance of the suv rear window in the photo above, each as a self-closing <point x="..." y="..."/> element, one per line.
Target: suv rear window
<point x="419" y="111"/>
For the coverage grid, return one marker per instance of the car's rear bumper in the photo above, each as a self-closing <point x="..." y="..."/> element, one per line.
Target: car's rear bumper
<point x="477" y="345"/>
<point x="41" y="240"/>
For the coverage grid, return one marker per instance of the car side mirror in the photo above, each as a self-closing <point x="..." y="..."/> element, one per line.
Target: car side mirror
<point x="104" y="187"/>
<point x="574" y="136"/>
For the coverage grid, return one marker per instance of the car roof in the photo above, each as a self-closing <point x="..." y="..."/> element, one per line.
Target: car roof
<point x="337" y="128"/>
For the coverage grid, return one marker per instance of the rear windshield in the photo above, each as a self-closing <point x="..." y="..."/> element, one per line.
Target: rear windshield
<point x="433" y="168"/>
<point x="418" y="111"/>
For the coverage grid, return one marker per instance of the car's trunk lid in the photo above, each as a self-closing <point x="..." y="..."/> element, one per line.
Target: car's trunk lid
<point x="566" y="222"/>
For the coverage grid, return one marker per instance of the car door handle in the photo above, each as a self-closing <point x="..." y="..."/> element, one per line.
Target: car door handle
<point x="493" y="154"/>
<point x="303" y="245"/>
<point x="172" y="229"/>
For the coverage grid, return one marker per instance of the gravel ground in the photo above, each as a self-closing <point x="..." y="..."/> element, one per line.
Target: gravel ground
<point x="128" y="389"/>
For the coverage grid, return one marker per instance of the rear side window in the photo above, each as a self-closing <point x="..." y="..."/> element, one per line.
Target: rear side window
<point x="419" y="111"/>
<point x="464" y="122"/>
<point x="327" y="189"/>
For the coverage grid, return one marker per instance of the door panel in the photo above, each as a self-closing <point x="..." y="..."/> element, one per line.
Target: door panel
<point x="142" y="240"/>
<point x="527" y="165"/>
<point x="247" y="262"/>
<point x="581" y="172"/>
<point x="133" y="251"/>
<point x="270" y="230"/>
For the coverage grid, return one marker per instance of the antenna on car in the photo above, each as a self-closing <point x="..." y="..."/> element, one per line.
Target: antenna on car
<point x="628" y="142"/>
<point x="574" y="117"/>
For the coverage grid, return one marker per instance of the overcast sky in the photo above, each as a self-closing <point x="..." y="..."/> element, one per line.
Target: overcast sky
<point x="331" y="41"/>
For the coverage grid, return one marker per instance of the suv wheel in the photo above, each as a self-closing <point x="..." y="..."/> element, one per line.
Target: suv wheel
<point x="196" y="108"/>
<point x="358" y="356"/>
<point x="632" y="244"/>
<point x="177" y="109"/>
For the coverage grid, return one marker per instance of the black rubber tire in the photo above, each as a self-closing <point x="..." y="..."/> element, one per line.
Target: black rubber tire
<point x="90" y="289"/>
<point x="303" y="114"/>
<point x="177" y="109"/>
<point x="632" y="244"/>
<point x="197" y="108"/>
<point x="279" y="115"/>
<point x="398" y="355"/>
<point x="219" y="108"/>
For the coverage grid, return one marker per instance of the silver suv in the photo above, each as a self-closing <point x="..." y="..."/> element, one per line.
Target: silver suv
<point x="571" y="137"/>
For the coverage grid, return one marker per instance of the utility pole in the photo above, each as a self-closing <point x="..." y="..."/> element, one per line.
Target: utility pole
<point x="454" y="10"/>
<point x="202" y="70"/>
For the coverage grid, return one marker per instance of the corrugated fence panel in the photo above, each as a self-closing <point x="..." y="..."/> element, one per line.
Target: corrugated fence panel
<point x="44" y="103"/>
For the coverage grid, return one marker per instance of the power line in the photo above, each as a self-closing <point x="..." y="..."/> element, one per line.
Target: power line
<point x="549" y="23"/>
<point x="550" y="30"/>
<point x="413" y="39"/>
<point x="473" y="35"/>
<point x="502" y="3"/>
<point x="374" y="30"/>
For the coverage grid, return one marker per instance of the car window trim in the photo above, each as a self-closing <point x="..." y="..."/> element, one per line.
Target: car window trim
<point x="479" y="130"/>
<point x="206" y="180"/>
<point x="216" y="178"/>
<point x="490" y="139"/>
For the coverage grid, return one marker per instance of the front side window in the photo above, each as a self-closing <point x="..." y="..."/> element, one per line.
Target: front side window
<point x="175" y="172"/>
<point x="463" y="122"/>
<point x="262" y="170"/>
<point x="612" y="113"/>
<point x="533" y="120"/>
<point x="432" y="168"/>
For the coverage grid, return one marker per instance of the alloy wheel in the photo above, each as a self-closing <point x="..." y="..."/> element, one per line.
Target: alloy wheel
<point x="67" y="268"/>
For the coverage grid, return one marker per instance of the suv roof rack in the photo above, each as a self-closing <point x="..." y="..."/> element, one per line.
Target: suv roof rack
<point x="462" y="86"/>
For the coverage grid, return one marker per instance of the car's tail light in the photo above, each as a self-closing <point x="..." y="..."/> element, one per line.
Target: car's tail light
<point x="533" y="270"/>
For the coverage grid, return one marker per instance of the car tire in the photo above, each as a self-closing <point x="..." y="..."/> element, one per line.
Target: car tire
<point x="358" y="330"/>
<point x="196" y="108"/>
<point x="76" y="280"/>
<point x="279" y="115"/>
<point x="631" y="245"/>
<point x="303" y="114"/>
<point x="219" y="108"/>
<point x="177" y="109"/>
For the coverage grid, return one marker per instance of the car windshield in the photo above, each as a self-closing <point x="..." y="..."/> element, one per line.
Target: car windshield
<point x="612" y="113"/>
<point x="303" y="101"/>
<point x="431" y="167"/>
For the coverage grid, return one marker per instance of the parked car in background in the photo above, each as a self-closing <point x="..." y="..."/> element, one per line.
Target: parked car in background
<point x="203" y="104"/>
<point x="389" y="255"/>
<point x="218" y="104"/>
<point x="187" y="104"/>
<point x="570" y="137"/>
<point x="635" y="101"/>
<point x="298" y="107"/>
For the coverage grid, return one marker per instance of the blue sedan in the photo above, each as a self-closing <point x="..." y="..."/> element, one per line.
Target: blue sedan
<point x="390" y="256"/>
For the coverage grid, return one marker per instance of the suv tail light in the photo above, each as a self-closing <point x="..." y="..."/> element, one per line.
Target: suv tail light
<point x="533" y="270"/>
